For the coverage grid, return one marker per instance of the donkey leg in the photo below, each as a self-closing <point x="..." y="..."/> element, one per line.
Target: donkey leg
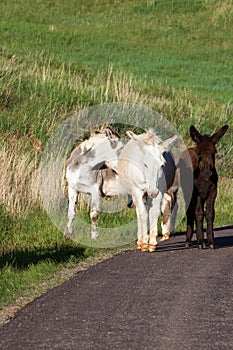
<point x="154" y="213"/>
<point x="94" y="214"/>
<point x="142" y="218"/>
<point x="199" y="215"/>
<point x="166" y="209"/>
<point x="209" y="215"/>
<point x="175" y="208"/>
<point x="72" y="194"/>
<point x="190" y="224"/>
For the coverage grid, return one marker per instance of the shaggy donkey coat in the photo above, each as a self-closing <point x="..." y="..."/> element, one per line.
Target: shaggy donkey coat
<point x="198" y="163"/>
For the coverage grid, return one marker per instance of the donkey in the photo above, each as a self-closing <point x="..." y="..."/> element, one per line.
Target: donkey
<point x="93" y="168"/>
<point x="200" y="162"/>
<point x="83" y="173"/>
<point x="142" y="165"/>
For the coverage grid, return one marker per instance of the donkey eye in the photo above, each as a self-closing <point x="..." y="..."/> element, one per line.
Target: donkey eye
<point x="145" y="165"/>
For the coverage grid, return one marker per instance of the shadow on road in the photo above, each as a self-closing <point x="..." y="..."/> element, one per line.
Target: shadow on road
<point x="224" y="242"/>
<point x="23" y="258"/>
<point x="230" y="227"/>
<point x="177" y="241"/>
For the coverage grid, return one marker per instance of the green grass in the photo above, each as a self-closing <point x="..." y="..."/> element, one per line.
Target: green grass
<point x="32" y="251"/>
<point x="57" y="58"/>
<point x="180" y="44"/>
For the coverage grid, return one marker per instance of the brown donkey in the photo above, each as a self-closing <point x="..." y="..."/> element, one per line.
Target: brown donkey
<point x="198" y="164"/>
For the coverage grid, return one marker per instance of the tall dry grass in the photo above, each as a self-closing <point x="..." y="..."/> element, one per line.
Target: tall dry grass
<point x="19" y="175"/>
<point x="19" y="170"/>
<point x="19" y="181"/>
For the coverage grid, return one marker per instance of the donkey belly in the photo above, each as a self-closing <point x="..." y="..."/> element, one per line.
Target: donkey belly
<point x="79" y="180"/>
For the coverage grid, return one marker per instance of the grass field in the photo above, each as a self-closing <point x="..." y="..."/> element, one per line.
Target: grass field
<point x="57" y="58"/>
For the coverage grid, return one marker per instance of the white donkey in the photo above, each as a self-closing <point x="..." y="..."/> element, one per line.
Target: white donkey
<point x="146" y="169"/>
<point x="83" y="173"/>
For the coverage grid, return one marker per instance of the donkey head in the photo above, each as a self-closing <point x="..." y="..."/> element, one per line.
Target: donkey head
<point x="205" y="149"/>
<point x="151" y="158"/>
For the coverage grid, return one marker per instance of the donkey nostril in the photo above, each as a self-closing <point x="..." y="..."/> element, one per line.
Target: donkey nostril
<point x="153" y="194"/>
<point x="207" y="172"/>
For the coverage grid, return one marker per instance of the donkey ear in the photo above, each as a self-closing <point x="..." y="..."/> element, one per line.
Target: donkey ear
<point x="170" y="142"/>
<point x="194" y="134"/>
<point x="110" y="133"/>
<point x="135" y="137"/>
<point x="131" y="135"/>
<point x="217" y="136"/>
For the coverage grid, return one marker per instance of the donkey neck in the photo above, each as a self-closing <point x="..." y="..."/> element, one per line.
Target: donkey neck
<point x="203" y="184"/>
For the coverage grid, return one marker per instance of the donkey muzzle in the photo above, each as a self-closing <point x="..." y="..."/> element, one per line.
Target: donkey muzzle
<point x="153" y="193"/>
<point x="207" y="172"/>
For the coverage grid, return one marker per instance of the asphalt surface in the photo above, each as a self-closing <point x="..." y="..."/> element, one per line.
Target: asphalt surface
<point x="175" y="298"/>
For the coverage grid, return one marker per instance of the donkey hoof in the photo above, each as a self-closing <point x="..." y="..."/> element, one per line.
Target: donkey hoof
<point x="94" y="235"/>
<point x="202" y="245"/>
<point x="211" y="245"/>
<point x="139" y="245"/>
<point x="67" y="233"/>
<point x="152" y="248"/>
<point x="165" y="237"/>
<point x="144" y="247"/>
<point x="187" y="245"/>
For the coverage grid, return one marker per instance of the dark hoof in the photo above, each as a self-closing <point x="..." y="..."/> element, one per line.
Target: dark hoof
<point x="130" y="204"/>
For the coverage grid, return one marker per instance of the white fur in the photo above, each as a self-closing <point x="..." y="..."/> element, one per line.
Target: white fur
<point x="82" y="170"/>
<point x="140" y="172"/>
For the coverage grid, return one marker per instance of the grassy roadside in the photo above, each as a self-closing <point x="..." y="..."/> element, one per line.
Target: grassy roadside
<point x="57" y="58"/>
<point x="179" y="44"/>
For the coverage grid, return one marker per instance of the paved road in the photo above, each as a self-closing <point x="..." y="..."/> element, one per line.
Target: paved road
<point x="174" y="298"/>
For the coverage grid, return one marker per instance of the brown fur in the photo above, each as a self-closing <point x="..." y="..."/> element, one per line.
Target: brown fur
<point x="169" y="206"/>
<point x="200" y="162"/>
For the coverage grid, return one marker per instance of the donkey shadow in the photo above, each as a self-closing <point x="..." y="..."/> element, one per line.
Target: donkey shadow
<point x="224" y="241"/>
<point x="177" y="240"/>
